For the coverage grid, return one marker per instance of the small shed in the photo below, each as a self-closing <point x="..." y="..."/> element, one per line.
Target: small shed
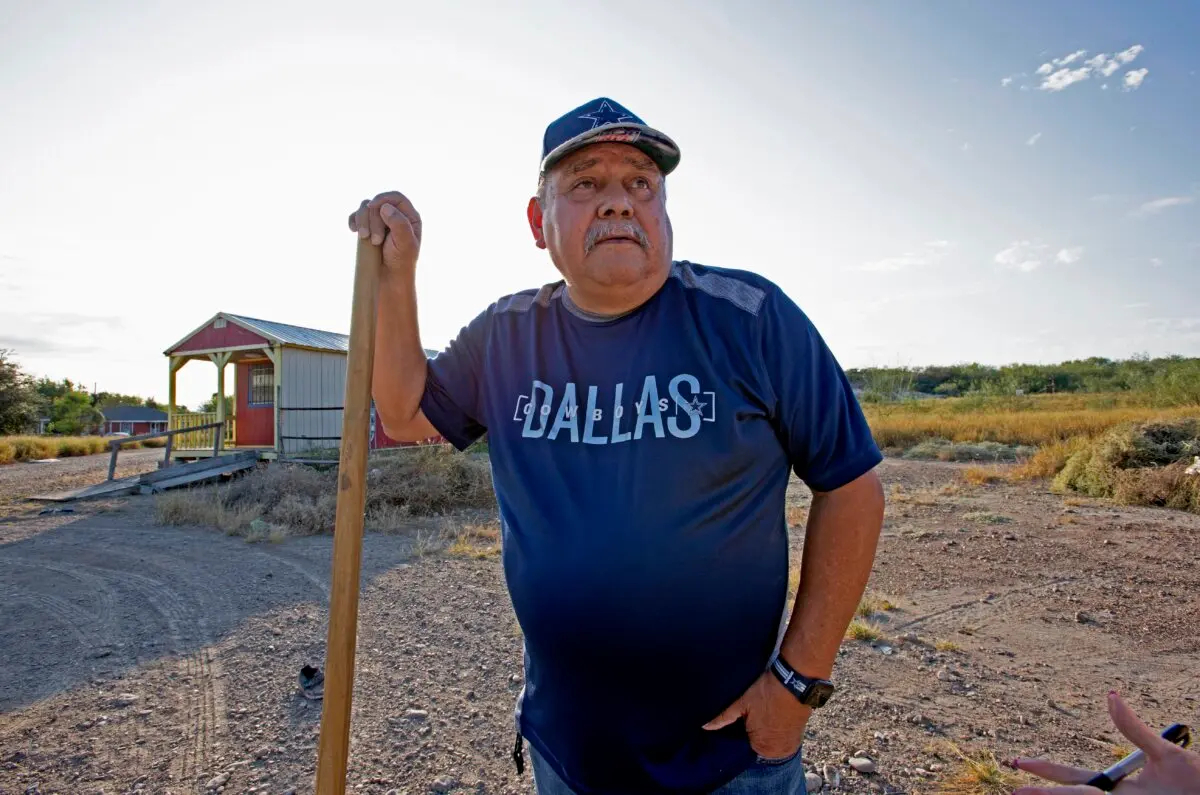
<point x="289" y="386"/>
<point x="133" y="420"/>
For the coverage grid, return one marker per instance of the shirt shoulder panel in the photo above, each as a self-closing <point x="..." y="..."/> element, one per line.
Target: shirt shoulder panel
<point x="745" y="290"/>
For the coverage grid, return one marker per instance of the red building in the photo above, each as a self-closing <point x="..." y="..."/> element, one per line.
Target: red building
<point x="289" y="385"/>
<point x="133" y="420"/>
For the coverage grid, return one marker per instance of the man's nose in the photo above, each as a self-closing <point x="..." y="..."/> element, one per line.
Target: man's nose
<point x="615" y="204"/>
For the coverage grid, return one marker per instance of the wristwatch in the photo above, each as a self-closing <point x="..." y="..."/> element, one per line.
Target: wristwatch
<point x="810" y="692"/>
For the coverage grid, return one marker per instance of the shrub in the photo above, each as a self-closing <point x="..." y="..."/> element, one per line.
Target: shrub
<point x="300" y="500"/>
<point x="946" y="450"/>
<point x="1138" y="464"/>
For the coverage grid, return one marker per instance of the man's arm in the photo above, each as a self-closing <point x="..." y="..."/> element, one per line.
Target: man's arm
<point x="399" y="368"/>
<point x="839" y="549"/>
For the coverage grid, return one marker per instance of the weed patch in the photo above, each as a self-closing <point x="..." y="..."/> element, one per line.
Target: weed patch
<point x="863" y="630"/>
<point x="946" y="450"/>
<point x="299" y="500"/>
<point x="983" y="517"/>
<point x="1141" y="464"/>
<point x="978" y="774"/>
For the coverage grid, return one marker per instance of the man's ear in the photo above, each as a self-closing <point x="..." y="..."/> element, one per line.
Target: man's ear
<point x="534" y="213"/>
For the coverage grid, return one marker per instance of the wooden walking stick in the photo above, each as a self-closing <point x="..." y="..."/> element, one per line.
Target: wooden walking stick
<point x="348" y="527"/>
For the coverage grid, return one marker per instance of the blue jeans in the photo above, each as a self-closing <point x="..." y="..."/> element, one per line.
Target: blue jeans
<point x="764" y="777"/>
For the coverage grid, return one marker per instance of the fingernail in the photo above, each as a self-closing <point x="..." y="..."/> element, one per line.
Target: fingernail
<point x="364" y="232"/>
<point x="376" y="239"/>
<point x="387" y="211"/>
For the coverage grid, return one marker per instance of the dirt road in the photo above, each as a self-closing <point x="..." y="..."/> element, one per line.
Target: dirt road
<point x="166" y="659"/>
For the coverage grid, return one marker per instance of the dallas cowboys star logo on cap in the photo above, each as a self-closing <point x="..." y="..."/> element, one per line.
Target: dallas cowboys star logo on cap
<point x="605" y="120"/>
<point x="607" y="114"/>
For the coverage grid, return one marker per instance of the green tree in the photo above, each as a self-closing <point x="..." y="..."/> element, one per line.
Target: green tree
<point x="74" y="415"/>
<point x="18" y="396"/>
<point x="210" y="405"/>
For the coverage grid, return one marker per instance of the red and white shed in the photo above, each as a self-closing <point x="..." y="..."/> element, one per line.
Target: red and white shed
<point x="289" y="385"/>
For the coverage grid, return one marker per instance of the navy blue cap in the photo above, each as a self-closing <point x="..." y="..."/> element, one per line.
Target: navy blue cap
<point x="604" y="120"/>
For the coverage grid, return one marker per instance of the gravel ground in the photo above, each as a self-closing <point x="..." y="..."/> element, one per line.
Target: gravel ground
<point x="18" y="481"/>
<point x="165" y="659"/>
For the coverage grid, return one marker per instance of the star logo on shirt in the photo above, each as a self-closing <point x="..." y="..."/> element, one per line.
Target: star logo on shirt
<point x="695" y="406"/>
<point x="606" y="114"/>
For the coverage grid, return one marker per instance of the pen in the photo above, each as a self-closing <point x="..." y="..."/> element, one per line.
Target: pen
<point x="1108" y="779"/>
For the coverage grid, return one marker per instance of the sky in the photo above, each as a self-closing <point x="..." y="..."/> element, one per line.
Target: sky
<point x="931" y="182"/>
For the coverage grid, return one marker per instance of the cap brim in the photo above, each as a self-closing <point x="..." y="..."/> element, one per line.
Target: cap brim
<point x="657" y="145"/>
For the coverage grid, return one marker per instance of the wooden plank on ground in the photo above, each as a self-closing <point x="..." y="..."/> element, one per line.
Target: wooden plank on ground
<point x="180" y="470"/>
<point x="196" y="477"/>
<point x="109" y="488"/>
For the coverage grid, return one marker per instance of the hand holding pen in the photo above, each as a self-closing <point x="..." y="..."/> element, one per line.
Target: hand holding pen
<point x="1169" y="768"/>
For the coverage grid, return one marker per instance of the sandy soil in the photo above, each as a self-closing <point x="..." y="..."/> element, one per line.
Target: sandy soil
<point x="140" y="658"/>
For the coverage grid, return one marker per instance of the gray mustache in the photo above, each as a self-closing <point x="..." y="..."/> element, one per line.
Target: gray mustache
<point x="606" y="230"/>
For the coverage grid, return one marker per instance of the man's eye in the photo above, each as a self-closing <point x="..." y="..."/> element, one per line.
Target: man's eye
<point x="641" y="182"/>
<point x="584" y="183"/>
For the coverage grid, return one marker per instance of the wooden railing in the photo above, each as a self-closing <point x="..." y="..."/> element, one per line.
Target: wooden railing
<point x="116" y="444"/>
<point x="202" y="438"/>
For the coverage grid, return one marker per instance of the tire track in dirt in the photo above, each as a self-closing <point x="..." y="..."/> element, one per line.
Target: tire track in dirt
<point x="204" y="711"/>
<point x="101" y="595"/>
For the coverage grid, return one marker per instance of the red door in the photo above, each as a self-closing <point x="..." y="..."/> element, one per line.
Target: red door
<point x="255" y="423"/>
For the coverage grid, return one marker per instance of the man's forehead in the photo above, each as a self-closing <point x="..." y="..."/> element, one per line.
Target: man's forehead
<point x="592" y="156"/>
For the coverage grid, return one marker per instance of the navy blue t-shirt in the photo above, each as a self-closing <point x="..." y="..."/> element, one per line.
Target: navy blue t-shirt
<point x="640" y="464"/>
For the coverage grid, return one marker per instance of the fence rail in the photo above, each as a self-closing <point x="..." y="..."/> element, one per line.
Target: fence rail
<point x="116" y="444"/>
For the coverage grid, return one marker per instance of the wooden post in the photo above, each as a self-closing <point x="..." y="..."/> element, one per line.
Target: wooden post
<point x="334" y="749"/>
<point x="170" y="444"/>
<point x="112" y="462"/>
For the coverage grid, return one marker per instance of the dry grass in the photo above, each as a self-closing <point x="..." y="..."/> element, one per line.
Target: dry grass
<point x="476" y="541"/>
<point x="1032" y="420"/>
<point x="871" y="604"/>
<point x="863" y="630"/>
<point x="32" y="448"/>
<point x="981" y="476"/>
<point x="977" y="774"/>
<point x="299" y="500"/>
<point x="1140" y="464"/>
<point x="983" y="517"/>
<point x="946" y="450"/>
<point x="947" y="645"/>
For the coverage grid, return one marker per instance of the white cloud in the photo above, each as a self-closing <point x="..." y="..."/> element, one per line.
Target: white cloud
<point x="966" y="147"/>
<point x="929" y="253"/>
<point x="1021" y="255"/>
<point x="1134" y="78"/>
<point x="1127" y="56"/>
<point x="1065" y="77"/>
<point x="1033" y="139"/>
<point x="1158" y="205"/>
<point x="1057" y="75"/>
<point x="1155" y="262"/>
<point x="1069" y="59"/>
<point x="1137" y="305"/>
<point x="1005" y="81"/>
<point x="1069" y="256"/>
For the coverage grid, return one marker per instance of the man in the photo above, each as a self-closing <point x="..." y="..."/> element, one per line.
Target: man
<point x="643" y="416"/>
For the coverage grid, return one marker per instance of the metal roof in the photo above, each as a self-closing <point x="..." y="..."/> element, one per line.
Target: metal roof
<point x="133" y="414"/>
<point x="295" y="335"/>
<point x="285" y="334"/>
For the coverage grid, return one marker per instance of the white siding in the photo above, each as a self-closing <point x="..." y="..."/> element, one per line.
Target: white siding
<point x="312" y="379"/>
